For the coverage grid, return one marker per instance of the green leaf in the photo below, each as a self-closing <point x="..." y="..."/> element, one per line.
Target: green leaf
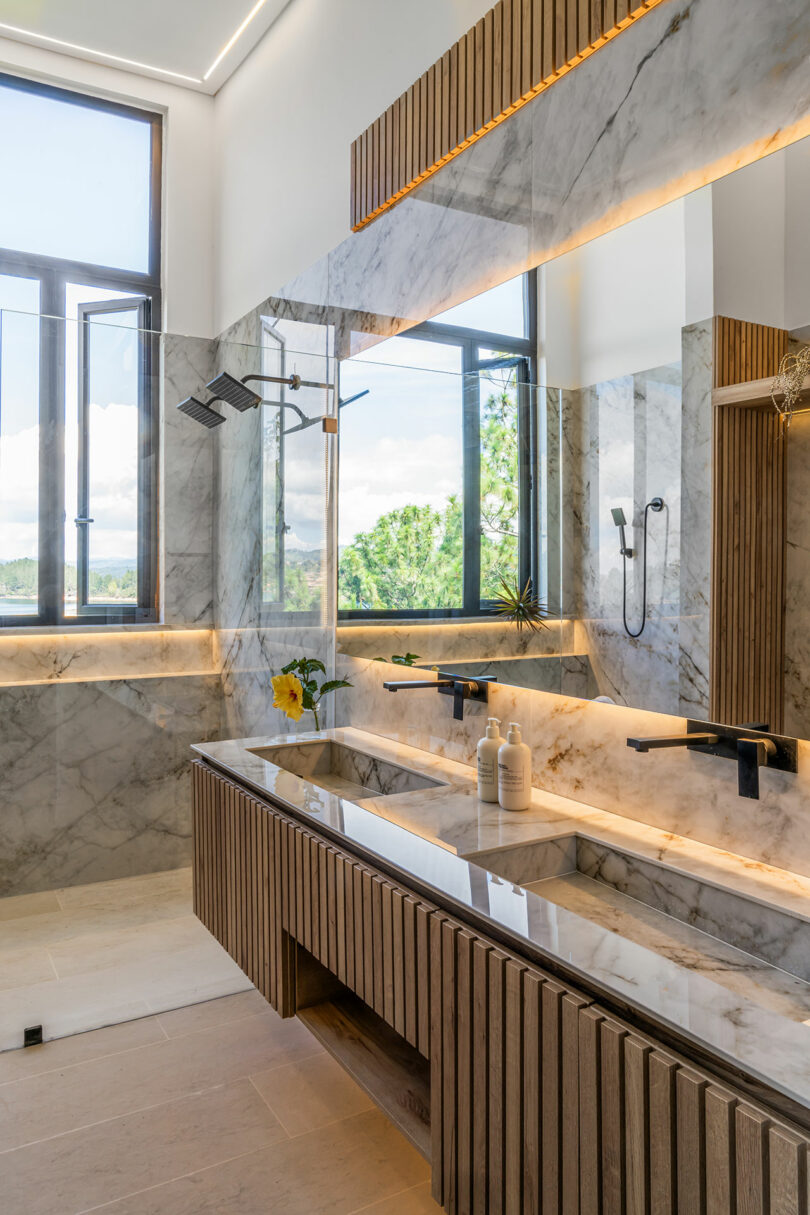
<point x="291" y="666"/>
<point x="332" y="684"/>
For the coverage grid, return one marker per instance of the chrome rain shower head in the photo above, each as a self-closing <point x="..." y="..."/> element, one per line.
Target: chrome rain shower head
<point x="201" y="413"/>
<point x="227" y="388"/>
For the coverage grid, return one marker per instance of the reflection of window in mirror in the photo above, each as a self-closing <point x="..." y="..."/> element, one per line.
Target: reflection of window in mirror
<point x="436" y="498"/>
<point x="272" y="429"/>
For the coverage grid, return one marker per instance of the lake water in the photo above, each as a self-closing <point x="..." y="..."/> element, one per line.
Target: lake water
<point x="18" y="607"/>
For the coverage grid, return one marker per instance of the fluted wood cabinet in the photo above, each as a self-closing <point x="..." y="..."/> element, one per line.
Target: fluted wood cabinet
<point x="539" y="1100"/>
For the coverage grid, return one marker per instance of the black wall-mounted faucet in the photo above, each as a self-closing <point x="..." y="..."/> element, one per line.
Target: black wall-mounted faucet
<point x="750" y="745"/>
<point x="458" y="686"/>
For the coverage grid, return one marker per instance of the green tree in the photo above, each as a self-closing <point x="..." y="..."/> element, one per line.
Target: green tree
<point x="413" y="557"/>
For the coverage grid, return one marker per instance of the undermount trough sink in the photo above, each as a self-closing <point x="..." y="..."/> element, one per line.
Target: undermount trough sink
<point x="640" y="899"/>
<point x="343" y="770"/>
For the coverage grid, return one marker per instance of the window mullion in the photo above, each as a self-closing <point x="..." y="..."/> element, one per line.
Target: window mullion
<point x="472" y="480"/>
<point x="51" y="450"/>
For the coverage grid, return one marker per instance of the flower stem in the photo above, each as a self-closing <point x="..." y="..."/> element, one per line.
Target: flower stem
<point x="315" y="712"/>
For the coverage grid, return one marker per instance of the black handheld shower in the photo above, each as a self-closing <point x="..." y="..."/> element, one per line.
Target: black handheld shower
<point x="655" y="504"/>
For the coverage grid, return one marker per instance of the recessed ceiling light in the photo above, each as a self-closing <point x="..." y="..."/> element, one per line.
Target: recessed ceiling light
<point x="235" y="37"/>
<point x="89" y="50"/>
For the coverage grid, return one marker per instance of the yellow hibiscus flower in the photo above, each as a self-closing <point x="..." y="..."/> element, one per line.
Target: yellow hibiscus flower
<point x="288" y="695"/>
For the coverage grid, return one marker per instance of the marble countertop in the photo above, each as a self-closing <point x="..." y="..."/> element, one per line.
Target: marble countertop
<point x="435" y="834"/>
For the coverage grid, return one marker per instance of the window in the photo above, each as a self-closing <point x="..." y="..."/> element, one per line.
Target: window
<point x="79" y="310"/>
<point x="437" y="494"/>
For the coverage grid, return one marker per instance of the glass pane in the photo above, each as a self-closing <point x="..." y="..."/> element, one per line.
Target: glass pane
<point x="303" y="520"/>
<point x="500" y="310"/>
<point x="75" y="181"/>
<point x="401" y="478"/>
<point x="272" y="478"/>
<point x="500" y="479"/>
<point x="19" y="446"/>
<point x="111" y="373"/>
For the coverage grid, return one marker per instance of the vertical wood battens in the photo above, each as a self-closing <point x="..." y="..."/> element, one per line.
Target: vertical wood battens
<point x="516" y="51"/>
<point x="748" y="534"/>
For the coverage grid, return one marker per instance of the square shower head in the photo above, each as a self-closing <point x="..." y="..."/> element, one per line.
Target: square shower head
<point x="201" y="413"/>
<point x="227" y="388"/>
<point x="618" y="516"/>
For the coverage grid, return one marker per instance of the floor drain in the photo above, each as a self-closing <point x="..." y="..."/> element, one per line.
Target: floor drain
<point x="32" y="1035"/>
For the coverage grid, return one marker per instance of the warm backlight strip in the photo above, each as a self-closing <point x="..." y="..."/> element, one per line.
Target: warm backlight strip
<point x="514" y="53"/>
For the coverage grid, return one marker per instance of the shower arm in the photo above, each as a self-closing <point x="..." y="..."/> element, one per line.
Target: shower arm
<point x="294" y="382"/>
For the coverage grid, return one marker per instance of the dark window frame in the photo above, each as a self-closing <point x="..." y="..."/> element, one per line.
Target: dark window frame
<point x="523" y="355"/>
<point x="53" y="275"/>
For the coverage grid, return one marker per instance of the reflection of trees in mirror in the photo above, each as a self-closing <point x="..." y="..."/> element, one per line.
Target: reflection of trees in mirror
<point x="413" y="557"/>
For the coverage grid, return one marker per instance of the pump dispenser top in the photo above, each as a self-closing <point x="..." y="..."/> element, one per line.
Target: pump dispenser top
<point x="493" y="727"/>
<point x="513" y="733"/>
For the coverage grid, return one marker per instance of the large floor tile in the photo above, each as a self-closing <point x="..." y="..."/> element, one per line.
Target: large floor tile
<point x="24" y="967"/>
<point x="213" y="1012"/>
<point x="56" y="1102"/>
<point x="16" y="906"/>
<point x="169" y="886"/>
<point x="104" y="1162"/>
<point x="168" y="940"/>
<point x="338" y="1170"/>
<point x="308" y="1095"/>
<point x="67" y="1052"/>
<point x="410" y="1202"/>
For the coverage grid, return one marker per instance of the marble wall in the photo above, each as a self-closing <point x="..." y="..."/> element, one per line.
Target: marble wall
<point x="626" y="441"/>
<point x="579" y="750"/>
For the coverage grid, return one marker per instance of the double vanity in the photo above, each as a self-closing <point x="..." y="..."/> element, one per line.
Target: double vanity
<point x="564" y="1010"/>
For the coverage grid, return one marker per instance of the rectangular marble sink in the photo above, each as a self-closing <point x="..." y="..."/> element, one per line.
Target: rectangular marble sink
<point x="640" y="899"/>
<point x="343" y="770"/>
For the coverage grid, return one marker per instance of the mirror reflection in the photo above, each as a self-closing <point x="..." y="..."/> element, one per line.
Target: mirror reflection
<point x="579" y="481"/>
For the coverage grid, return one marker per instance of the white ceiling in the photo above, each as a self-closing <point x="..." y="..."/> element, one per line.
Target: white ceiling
<point x="174" y="40"/>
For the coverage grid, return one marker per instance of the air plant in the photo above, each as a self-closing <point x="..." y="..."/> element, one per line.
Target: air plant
<point x="400" y="660"/>
<point x="520" y="607"/>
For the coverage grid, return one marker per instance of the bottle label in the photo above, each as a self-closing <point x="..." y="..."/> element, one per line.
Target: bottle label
<point x="510" y="779"/>
<point x="486" y="771"/>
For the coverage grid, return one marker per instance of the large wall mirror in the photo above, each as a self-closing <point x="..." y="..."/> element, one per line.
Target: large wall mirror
<point x="602" y="432"/>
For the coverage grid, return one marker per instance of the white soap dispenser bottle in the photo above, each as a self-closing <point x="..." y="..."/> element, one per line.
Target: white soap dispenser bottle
<point x="488" y="749"/>
<point x="514" y="771"/>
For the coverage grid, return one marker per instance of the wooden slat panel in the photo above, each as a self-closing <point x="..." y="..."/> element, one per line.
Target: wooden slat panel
<point x="466" y="1098"/>
<point x="524" y="48"/>
<point x="478" y="76"/>
<point x="571" y="1008"/>
<point x="423" y="961"/>
<point x="551" y="1087"/>
<point x="751" y="1133"/>
<point x="691" y="1141"/>
<point x="398" y="960"/>
<point x="480" y="1111"/>
<point x="513" y="1088"/>
<point x="748" y="530"/>
<point x="637" y="1111"/>
<point x="496" y="1081"/>
<point x="387" y="967"/>
<point x="505" y="35"/>
<point x="614" y="1119"/>
<point x="437" y="1092"/>
<point x="532" y="1107"/>
<point x="663" y="1123"/>
<point x="788" y="1173"/>
<point x="447" y="119"/>
<point x="411" y="970"/>
<point x="590" y="1099"/>
<point x="720" y="1170"/>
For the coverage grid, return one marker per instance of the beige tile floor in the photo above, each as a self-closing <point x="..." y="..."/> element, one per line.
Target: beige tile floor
<point x="217" y="1109"/>
<point x="88" y="956"/>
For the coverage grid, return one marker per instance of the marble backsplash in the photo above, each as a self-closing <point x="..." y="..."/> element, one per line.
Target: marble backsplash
<point x="579" y="750"/>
